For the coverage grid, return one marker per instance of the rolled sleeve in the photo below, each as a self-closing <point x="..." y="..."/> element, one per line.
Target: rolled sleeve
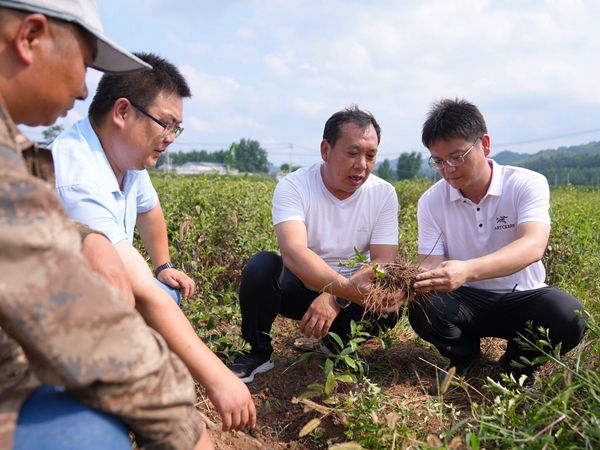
<point x="147" y="198"/>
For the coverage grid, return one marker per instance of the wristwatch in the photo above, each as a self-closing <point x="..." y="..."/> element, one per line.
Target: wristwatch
<point x="159" y="269"/>
<point x="341" y="302"/>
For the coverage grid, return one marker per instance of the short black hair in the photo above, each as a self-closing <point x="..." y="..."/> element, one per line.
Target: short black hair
<point x="453" y="119"/>
<point x="141" y="88"/>
<point x="351" y="114"/>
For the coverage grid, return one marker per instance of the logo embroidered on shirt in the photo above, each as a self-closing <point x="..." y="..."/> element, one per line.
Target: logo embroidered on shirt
<point x="363" y="229"/>
<point x="502" y="219"/>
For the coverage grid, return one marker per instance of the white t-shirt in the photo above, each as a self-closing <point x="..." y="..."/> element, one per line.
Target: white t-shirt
<point x="453" y="226"/>
<point x="334" y="227"/>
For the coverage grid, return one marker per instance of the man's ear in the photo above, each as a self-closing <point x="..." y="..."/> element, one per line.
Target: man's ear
<point x="486" y="143"/>
<point x="28" y="37"/>
<point x="120" y="110"/>
<point x="325" y="149"/>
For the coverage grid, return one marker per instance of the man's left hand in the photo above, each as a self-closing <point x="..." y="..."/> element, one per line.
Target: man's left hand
<point x="447" y="277"/>
<point x="179" y="280"/>
<point x="319" y="317"/>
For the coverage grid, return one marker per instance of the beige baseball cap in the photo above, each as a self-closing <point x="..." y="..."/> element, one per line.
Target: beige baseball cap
<point x="111" y="57"/>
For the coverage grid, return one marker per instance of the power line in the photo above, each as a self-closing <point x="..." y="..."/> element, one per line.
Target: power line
<point x="549" y="138"/>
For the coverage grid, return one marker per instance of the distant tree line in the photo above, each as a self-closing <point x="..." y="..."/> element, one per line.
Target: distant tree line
<point x="245" y="156"/>
<point x="285" y="168"/>
<point x="577" y="165"/>
<point x="575" y="170"/>
<point x="407" y="167"/>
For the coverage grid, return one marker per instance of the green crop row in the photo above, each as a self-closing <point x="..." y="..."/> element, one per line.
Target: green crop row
<point x="215" y="224"/>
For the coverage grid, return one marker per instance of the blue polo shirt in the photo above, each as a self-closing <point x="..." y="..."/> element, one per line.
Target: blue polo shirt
<point x="88" y="187"/>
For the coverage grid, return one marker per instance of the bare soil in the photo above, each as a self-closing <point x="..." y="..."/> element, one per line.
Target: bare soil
<point x="407" y="371"/>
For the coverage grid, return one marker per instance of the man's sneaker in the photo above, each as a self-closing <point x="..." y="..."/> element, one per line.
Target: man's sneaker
<point x="462" y="368"/>
<point x="527" y="384"/>
<point x="327" y="347"/>
<point x="313" y="345"/>
<point x="247" y="365"/>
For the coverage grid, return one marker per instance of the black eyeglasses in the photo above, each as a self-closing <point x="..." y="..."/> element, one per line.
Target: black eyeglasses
<point x="454" y="161"/>
<point x="169" y="128"/>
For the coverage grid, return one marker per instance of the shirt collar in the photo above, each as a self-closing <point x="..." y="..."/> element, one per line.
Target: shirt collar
<point x="96" y="147"/>
<point x="494" y="189"/>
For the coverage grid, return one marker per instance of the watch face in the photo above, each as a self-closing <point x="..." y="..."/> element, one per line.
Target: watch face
<point x="342" y="303"/>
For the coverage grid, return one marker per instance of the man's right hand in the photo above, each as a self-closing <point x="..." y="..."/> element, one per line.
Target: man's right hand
<point x="233" y="401"/>
<point x="320" y="315"/>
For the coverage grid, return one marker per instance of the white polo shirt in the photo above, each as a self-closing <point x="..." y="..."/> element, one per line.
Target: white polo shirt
<point x="453" y="226"/>
<point x="334" y="227"/>
<point x="88" y="188"/>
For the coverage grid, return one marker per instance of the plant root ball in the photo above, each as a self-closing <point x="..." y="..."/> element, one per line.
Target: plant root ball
<point x="396" y="286"/>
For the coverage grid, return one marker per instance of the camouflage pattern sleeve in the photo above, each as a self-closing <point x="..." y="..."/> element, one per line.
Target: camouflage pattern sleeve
<point x="84" y="230"/>
<point x="77" y="331"/>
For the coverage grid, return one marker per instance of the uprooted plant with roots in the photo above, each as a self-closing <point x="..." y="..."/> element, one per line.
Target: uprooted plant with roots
<point x="393" y="283"/>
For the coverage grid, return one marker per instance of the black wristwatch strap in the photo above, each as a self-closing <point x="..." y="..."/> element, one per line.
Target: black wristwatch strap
<point x="341" y="302"/>
<point x="159" y="269"/>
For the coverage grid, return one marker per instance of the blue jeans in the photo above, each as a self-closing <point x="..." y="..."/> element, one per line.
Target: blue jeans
<point x="51" y="419"/>
<point x="173" y="292"/>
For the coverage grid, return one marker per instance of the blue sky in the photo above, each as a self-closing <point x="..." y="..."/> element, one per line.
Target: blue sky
<point x="275" y="70"/>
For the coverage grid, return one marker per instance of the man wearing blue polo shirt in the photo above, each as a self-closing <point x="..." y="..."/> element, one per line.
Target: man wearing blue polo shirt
<point x="101" y="181"/>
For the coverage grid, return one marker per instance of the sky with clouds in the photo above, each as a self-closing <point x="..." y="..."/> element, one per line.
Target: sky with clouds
<point x="275" y="70"/>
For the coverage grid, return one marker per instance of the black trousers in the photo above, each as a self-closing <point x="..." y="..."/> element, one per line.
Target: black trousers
<point x="268" y="289"/>
<point x="454" y="322"/>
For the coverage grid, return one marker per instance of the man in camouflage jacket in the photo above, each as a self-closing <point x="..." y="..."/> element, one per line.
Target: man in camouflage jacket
<point x="61" y="323"/>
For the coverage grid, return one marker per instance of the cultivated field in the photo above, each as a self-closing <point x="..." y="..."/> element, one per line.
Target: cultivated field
<point x="216" y="224"/>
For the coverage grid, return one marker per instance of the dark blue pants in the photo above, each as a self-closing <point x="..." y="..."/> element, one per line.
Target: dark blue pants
<point x="454" y="322"/>
<point x="51" y="419"/>
<point x="268" y="289"/>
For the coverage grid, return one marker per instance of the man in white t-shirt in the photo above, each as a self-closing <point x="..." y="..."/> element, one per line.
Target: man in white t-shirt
<point x="321" y="213"/>
<point x="483" y="230"/>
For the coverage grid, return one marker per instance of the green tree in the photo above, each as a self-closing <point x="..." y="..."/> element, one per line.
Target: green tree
<point x="409" y="165"/>
<point x="250" y="157"/>
<point x="230" y="157"/>
<point x="385" y="170"/>
<point x="285" y="168"/>
<point x="180" y="157"/>
<point x="50" y="134"/>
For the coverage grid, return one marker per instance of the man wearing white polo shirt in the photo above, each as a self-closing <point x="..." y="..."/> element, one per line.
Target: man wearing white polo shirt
<point x="483" y="230"/>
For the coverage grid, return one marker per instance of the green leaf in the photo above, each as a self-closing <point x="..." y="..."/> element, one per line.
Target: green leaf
<point x="346" y="378"/>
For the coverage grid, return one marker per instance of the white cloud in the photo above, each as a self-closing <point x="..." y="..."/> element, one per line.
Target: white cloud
<point x="275" y="70"/>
